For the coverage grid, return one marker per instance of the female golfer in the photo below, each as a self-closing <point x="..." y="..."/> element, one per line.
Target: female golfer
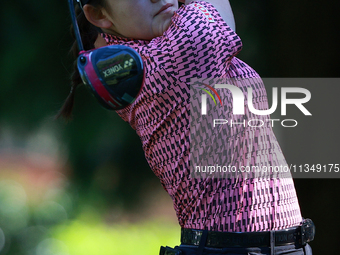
<point x="244" y="211"/>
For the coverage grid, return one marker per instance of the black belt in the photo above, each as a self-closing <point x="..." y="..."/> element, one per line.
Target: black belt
<point x="296" y="235"/>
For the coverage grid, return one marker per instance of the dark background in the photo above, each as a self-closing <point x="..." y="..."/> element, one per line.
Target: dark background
<point x="102" y="154"/>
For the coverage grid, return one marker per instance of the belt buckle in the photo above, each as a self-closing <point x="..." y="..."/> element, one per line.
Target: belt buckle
<point x="307" y="231"/>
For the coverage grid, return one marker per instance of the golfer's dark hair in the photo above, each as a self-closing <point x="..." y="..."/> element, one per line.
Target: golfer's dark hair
<point x="89" y="34"/>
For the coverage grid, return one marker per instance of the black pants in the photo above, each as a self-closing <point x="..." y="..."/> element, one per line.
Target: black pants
<point x="279" y="250"/>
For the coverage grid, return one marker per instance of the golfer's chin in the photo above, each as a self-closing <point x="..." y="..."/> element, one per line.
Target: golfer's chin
<point x="162" y="24"/>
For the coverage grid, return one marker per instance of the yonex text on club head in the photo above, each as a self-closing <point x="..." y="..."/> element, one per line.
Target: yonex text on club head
<point x="113" y="73"/>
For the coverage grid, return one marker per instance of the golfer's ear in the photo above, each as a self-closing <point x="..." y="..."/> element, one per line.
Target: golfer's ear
<point x="97" y="16"/>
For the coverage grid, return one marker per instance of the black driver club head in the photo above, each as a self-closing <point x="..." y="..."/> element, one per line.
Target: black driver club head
<point x="113" y="73"/>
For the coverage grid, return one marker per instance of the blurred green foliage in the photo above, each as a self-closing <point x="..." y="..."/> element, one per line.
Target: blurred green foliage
<point x="86" y="237"/>
<point x="34" y="80"/>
